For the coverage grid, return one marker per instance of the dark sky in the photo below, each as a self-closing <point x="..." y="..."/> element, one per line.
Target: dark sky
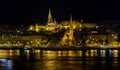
<point x="30" y="12"/>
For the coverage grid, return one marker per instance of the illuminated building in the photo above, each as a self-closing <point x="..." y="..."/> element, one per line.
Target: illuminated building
<point x="68" y="32"/>
<point x="50" y="26"/>
<point x="68" y="38"/>
<point x="94" y="36"/>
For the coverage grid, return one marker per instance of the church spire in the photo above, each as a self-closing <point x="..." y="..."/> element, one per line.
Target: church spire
<point x="71" y="23"/>
<point x="49" y="16"/>
<point x="71" y="28"/>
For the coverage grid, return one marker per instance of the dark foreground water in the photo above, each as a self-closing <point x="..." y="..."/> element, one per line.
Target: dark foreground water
<point x="55" y="60"/>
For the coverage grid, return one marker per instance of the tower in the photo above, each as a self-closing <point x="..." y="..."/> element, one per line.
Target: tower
<point x="71" y="29"/>
<point x="49" y="17"/>
<point x="36" y="27"/>
<point x="51" y="25"/>
<point x="68" y="38"/>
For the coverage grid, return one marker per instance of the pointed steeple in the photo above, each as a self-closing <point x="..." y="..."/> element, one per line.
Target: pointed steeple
<point x="68" y="38"/>
<point x="81" y="20"/>
<point x="71" y="17"/>
<point x="49" y="16"/>
<point x="71" y="24"/>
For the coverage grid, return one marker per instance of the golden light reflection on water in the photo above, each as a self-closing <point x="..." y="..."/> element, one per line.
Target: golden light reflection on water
<point x="115" y="53"/>
<point x="55" y="60"/>
<point x="54" y="54"/>
<point x="50" y="54"/>
<point x="8" y="53"/>
<point x="14" y="52"/>
<point x="92" y="54"/>
<point x="102" y="52"/>
<point x="3" y="53"/>
<point x="64" y="53"/>
<point x="51" y="65"/>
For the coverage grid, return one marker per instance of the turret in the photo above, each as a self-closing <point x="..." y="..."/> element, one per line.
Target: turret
<point x="49" y="16"/>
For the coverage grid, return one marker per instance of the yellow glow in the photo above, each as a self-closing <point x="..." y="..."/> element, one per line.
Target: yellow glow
<point x="97" y="27"/>
<point x="31" y="27"/>
<point x="115" y="53"/>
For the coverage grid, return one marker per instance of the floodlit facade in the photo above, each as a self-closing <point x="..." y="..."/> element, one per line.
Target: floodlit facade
<point x="94" y="36"/>
<point x="50" y="26"/>
<point x="65" y="33"/>
<point x="53" y="25"/>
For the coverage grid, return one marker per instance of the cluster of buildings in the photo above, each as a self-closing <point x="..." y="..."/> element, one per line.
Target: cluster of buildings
<point x="95" y="34"/>
<point x="53" y="25"/>
<point x="65" y="33"/>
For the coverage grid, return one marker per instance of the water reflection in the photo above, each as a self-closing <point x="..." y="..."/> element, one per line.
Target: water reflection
<point x="6" y="64"/>
<point x="56" y="60"/>
<point x="30" y="54"/>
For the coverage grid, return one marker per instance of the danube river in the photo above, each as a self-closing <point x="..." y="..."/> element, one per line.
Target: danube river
<point x="56" y="60"/>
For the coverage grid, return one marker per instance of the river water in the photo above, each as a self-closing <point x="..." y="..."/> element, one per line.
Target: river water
<point x="55" y="60"/>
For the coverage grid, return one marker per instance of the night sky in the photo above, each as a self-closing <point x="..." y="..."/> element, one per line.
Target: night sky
<point x="30" y="12"/>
